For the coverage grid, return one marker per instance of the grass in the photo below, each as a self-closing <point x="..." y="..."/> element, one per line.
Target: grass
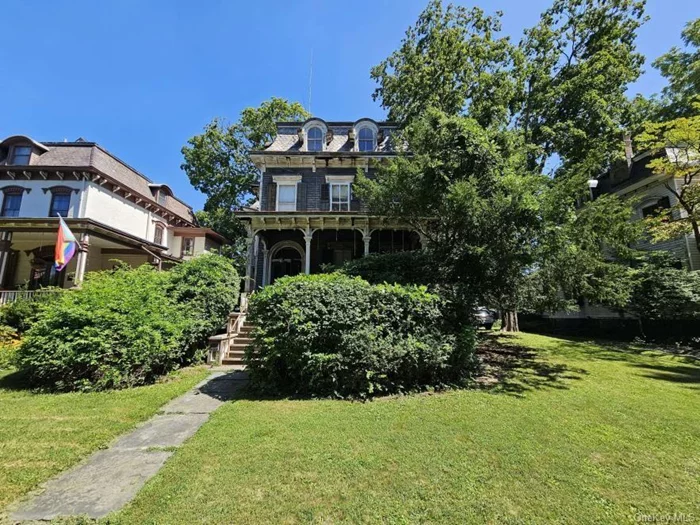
<point x="561" y="430"/>
<point x="43" y="434"/>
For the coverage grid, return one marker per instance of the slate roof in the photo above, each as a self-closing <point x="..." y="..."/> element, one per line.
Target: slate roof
<point x="287" y="139"/>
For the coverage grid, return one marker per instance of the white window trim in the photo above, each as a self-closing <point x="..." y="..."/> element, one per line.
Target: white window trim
<point x="324" y="131"/>
<point x="286" y="180"/>
<point x="365" y="125"/>
<point x="340" y="180"/>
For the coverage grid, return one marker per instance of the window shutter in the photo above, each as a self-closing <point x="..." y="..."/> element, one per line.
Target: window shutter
<point x="325" y="192"/>
<point x="271" y="192"/>
<point x="301" y="196"/>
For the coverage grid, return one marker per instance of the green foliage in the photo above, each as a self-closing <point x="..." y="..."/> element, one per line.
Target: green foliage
<point x="23" y="312"/>
<point x="120" y="329"/>
<point x="9" y="342"/>
<point x="663" y="292"/>
<point x="208" y="285"/>
<point x="410" y="267"/>
<point x="682" y="70"/>
<point x="334" y="335"/>
<point x="126" y="327"/>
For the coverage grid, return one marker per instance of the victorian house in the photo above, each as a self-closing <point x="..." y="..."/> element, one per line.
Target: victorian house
<point x="115" y="212"/>
<point x="307" y="215"/>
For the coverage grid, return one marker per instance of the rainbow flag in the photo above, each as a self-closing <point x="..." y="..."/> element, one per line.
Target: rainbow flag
<point x="65" y="245"/>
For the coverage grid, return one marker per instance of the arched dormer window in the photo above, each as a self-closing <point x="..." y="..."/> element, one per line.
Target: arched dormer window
<point x="159" y="234"/>
<point x="367" y="140"/>
<point x="314" y="139"/>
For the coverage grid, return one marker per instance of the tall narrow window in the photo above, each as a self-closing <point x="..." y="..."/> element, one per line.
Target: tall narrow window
<point x="366" y="140"/>
<point x="340" y="197"/>
<point x="60" y="204"/>
<point x="162" y="198"/>
<point x="21" y="155"/>
<point x="187" y="246"/>
<point x="315" y="139"/>
<point x="11" y="202"/>
<point x="286" y="197"/>
<point x="158" y="234"/>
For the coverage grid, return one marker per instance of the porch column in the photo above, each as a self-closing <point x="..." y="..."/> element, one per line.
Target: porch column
<point x="366" y="239"/>
<point x="5" y="244"/>
<point x="266" y="259"/>
<point x="249" y="264"/>
<point x="82" y="258"/>
<point x="308" y="235"/>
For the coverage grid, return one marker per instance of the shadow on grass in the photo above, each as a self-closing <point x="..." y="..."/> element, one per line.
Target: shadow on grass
<point x="672" y="373"/>
<point x="508" y="367"/>
<point x="13" y="380"/>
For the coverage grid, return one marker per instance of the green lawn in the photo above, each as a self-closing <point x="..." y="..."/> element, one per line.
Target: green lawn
<point x="43" y="434"/>
<point x="573" y="432"/>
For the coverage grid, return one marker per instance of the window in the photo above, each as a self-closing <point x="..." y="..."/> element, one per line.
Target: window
<point x="655" y="209"/>
<point x="286" y="197"/>
<point x="21" y="155"/>
<point x="315" y="139"/>
<point x="187" y="246"/>
<point x="366" y="140"/>
<point x="162" y="198"/>
<point x="158" y="234"/>
<point x="340" y="197"/>
<point x="60" y="204"/>
<point x="11" y="203"/>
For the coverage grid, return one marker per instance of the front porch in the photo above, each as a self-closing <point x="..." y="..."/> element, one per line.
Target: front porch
<point x="282" y="244"/>
<point x="27" y="254"/>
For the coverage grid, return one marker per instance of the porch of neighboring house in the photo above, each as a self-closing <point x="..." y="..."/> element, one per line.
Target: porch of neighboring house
<point x="27" y="254"/>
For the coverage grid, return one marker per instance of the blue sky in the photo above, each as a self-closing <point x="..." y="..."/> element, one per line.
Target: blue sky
<point x="141" y="77"/>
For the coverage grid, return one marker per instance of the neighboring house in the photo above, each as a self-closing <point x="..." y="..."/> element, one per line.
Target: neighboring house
<point x="635" y="180"/>
<point x="307" y="215"/>
<point x="114" y="211"/>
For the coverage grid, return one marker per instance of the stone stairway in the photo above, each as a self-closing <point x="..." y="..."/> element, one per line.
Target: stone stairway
<point x="229" y="348"/>
<point x="237" y="346"/>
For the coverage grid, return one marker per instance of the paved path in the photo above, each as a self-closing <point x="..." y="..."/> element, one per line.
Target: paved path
<point x="110" y="478"/>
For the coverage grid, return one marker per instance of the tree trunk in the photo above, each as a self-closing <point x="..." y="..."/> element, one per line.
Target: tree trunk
<point x="509" y="321"/>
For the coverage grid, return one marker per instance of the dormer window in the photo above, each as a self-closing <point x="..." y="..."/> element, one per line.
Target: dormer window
<point x="314" y="139"/>
<point x="366" y="140"/>
<point x="162" y="198"/>
<point x="21" y="155"/>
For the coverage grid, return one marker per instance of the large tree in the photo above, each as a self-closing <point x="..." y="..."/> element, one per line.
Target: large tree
<point x="218" y="164"/>
<point x="555" y="103"/>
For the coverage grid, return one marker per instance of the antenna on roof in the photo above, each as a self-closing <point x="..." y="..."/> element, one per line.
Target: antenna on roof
<point x="311" y="73"/>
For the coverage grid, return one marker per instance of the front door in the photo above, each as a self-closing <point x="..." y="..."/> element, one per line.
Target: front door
<point x="287" y="261"/>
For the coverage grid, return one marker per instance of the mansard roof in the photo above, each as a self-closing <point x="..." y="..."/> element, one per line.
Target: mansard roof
<point x="288" y="136"/>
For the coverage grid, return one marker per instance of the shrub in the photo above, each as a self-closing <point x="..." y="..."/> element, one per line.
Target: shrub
<point x="335" y="335"/>
<point x="409" y="267"/>
<point x="665" y="293"/>
<point x="9" y="342"/>
<point x="122" y="328"/>
<point x="23" y="312"/>
<point x="209" y="286"/>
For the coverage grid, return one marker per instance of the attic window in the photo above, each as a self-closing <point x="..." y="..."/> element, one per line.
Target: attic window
<point x="315" y="139"/>
<point x="366" y="140"/>
<point x="21" y="155"/>
<point x="662" y="204"/>
<point x="162" y="198"/>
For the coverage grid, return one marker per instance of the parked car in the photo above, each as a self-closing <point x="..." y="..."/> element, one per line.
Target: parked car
<point x="484" y="317"/>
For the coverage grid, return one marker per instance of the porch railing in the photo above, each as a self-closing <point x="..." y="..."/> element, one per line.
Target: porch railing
<point x="10" y="296"/>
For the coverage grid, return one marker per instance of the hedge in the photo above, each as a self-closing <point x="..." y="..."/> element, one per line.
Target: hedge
<point x="338" y="336"/>
<point x="126" y="327"/>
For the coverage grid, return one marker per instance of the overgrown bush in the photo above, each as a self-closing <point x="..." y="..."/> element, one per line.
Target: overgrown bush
<point x="409" y="267"/>
<point x="120" y="329"/>
<point x="209" y="286"/>
<point x="9" y="342"/>
<point x="335" y="335"/>
<point x="662" y="292"/>
<point x="23" y="312"/>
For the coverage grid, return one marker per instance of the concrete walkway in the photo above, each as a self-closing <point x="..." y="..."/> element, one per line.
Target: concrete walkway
<point x="110" y="478"/>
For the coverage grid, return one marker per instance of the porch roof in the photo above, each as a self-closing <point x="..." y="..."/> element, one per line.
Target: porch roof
<point x="274" y="220"/>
